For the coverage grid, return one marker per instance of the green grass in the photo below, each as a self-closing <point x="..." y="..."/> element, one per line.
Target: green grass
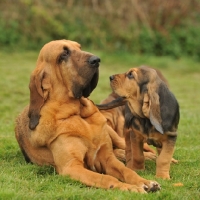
<point x="19" y="180"/>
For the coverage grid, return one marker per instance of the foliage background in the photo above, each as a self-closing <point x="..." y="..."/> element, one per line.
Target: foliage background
<point x="155" y="27"/>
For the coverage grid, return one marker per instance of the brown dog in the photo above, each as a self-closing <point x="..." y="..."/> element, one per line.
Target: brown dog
<point x="61" y="127"/>
<point x="152" y="115"/>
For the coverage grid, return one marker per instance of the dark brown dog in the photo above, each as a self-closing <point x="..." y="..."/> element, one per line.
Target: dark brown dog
<point x="152" y="114"/>
<point x="63" y="128"/>
<point x="116" y="119"/>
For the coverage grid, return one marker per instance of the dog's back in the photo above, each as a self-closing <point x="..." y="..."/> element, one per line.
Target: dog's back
<point x="114" y="116"/>
<point x="34" y="154"/>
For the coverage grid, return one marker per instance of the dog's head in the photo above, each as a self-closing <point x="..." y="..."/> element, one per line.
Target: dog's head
<point x="148" y="96"/>
<point x="62" y="68"/>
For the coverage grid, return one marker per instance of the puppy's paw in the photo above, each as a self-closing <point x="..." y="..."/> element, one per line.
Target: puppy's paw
<point x="174" y="161"/>
<point x="150" y="156"/>
<point x="164" y="176"/>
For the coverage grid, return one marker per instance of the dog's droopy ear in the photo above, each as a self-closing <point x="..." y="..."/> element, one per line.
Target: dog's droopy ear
<point x="151" y="108"/>
<point x="38" y="94"/>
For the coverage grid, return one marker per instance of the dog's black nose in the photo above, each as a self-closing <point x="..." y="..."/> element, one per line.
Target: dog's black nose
<point x="94" y="61"/>
<point x="111" y="78"/>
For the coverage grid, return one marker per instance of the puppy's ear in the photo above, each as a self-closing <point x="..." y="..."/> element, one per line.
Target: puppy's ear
<point x="38" y="94"/>
<point x="151" y="107"/>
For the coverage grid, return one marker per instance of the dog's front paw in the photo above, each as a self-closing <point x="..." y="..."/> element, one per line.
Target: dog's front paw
<point x="163" y="176"/>
<point x="129" y="187"/>
<point x="152" y="186"/>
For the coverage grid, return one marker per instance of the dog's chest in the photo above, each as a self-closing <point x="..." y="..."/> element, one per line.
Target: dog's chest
<point x="148" y="131"/>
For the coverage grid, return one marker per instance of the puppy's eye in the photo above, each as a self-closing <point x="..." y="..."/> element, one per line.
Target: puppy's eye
<point x="130" y="75"/>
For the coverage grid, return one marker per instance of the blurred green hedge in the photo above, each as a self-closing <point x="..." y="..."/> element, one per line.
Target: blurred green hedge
<point x="155" y="27"/>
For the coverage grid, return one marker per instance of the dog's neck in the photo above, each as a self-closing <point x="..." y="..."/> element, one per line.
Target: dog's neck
<point x="60" y="93"/>
<point x="135" y="106"/>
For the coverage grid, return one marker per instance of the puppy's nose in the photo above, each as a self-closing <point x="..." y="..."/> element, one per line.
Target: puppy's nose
<point x="94" y="61"/>
<point x="111" y="78"/>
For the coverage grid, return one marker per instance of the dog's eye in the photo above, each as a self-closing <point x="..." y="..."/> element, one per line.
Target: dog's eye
<point x="130" y="75"/>
<point x="64" y="55"/>
<point x="66" y="51"/>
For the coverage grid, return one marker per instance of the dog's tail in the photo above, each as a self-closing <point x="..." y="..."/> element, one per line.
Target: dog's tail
<point x="120" y="101"/>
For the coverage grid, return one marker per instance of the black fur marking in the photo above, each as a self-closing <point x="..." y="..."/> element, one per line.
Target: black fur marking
<point x="169" y="109"/>
<point x="154" y="143"/>
<point x="172" y="138"/>
<point x="141" y="124"/>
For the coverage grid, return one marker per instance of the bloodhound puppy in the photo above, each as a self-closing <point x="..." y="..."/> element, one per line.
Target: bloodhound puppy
<point x="63" y="128"/>
<point x="152" y="115"/>
<point x="116" y="119"/>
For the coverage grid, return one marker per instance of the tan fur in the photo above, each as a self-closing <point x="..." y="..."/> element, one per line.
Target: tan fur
<point x="63" y="129"/>
<point x="145" y="104"/>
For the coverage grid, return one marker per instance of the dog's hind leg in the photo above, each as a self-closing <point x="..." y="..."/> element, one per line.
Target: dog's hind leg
<point x="165" y="157"/>
<point x="69" y="154"/>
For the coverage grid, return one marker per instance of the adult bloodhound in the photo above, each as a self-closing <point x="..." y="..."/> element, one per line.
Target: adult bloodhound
<point x="151" y="115"/>
<point x="63" y="128"/>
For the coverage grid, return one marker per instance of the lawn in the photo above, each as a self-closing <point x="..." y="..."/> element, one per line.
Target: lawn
<point x="19" y="180"/>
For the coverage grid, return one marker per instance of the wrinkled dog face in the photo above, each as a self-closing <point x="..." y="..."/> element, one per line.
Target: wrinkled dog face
<point x="62" y="71"/>
<point x="78" y="70"/>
